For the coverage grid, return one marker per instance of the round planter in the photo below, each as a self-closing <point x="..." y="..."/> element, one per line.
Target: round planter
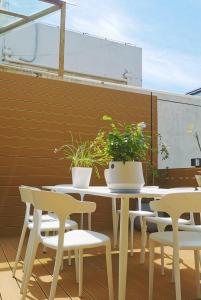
<point x="126" y="176"/>
<point x="106" y="175"/>
<point x="81" y="177"/>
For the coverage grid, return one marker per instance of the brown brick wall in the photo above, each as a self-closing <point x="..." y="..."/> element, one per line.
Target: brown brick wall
<point x="36" y="116"/>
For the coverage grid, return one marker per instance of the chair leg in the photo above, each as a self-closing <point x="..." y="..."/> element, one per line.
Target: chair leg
<point x="151" y="268"/>
<point x="172" y="279"/>
<point x="89" y="221"/>
<point x="77" y="266"/>
<point x="30" y="245"/>
<point x="132" y="219"/>
<point x="200" y="258"/>
<point x="28" y="270"/>
<point x="27" y="253"/>
<point x="69" y="257"/>
<point x="161" y="228"/>
<point x="109" y="271"/>
<point x="80" y="272"/>
<point x="197" y="272"/>
<point x="57" y="266"/>
<point x="44" y="248"/>
<point x="162" y="261"/>
<point x="62" y="262"/>
<point x="143" y="240"/>
<point x="177" y="274"/>
<point x="24" y="229"/>
<point x="117" y="226"/>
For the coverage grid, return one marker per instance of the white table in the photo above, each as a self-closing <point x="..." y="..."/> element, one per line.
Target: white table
<point x="123" y="241"/>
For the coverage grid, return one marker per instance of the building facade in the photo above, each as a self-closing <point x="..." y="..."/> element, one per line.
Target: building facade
<point x="87" y="56"/>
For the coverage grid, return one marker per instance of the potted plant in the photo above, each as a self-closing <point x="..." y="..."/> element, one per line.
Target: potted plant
<point x="127" y="146"/>
<point x="83" y="155"/>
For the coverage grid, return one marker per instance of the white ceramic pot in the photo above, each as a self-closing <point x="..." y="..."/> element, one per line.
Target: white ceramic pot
<point x="81" y="177"/>
<point x="125" y="176"/>
<point x="106" y="175"/>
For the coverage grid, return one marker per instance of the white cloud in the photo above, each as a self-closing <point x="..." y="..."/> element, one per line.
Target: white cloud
<point x="101" y="19"/>
<point x="171" y="68"/>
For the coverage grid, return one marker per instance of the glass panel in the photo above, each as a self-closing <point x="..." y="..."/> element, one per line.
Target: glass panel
<point x="25" y="7"/>
<point x="6" y="20"/>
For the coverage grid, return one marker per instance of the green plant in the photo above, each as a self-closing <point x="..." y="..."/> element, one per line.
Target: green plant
<point x="130" y="142"/>
<point x="84" y="153"/>
<point x="126" y="142"/>
<point x="164" y="154"/>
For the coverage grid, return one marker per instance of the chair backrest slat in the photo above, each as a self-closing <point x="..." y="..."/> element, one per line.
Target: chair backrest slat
<point x="26" y="195"/>
<point x="27" y="198"/>
<point x="61" y="204"/>
<point x="175" y="204"/>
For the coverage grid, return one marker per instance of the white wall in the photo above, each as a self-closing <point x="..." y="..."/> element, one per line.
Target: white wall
<point x="84" y="53"/>
<point x="177" y="115"/>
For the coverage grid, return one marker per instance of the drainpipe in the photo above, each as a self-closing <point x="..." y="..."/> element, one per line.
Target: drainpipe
<point x="7" y="54"/>
<point x="35" y="47"/>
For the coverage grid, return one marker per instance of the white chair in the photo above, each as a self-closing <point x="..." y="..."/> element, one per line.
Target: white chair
<point x="161" y="223"/>
<point x="175" y="205"/>
<point x="132" y="215"/>
<point x="49" y="223"/>
<point x="62" y="188"/>
<point x="63" y="205"/>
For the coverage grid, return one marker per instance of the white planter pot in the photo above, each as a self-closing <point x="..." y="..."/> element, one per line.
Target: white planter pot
<point x="81" y="177"/>
<point x="106" y="175"/>
<point x="126" y="176"/>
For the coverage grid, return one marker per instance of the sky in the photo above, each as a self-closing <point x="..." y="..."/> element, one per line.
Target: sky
<point x="168" y="31"/>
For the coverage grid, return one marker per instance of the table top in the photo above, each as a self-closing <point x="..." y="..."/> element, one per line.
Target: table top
<point x="145" y="192"/>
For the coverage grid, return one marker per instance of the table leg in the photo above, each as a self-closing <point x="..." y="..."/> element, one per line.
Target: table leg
<point x="123" y="248"/>
<point x="114" y="221"/>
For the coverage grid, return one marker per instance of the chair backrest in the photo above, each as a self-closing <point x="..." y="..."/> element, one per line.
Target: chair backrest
<point x="26" y="194"/>
<point x="27" y="198"/>
<point x="61" y="204"/>
<point x="175" y="204"/>
<point x="187" y="189"/>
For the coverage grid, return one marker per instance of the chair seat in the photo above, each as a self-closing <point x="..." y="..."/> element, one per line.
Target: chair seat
<point x="166" y="220"/>
<point x="77" y="239"/>
<point x="187" y="239"/>
<point x="141" y="213"/>
<point x="54" y="225"/>
<point x="190" y="227"/>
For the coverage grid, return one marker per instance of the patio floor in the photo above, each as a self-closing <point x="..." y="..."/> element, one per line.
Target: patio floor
<point x="95" y="283"/>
